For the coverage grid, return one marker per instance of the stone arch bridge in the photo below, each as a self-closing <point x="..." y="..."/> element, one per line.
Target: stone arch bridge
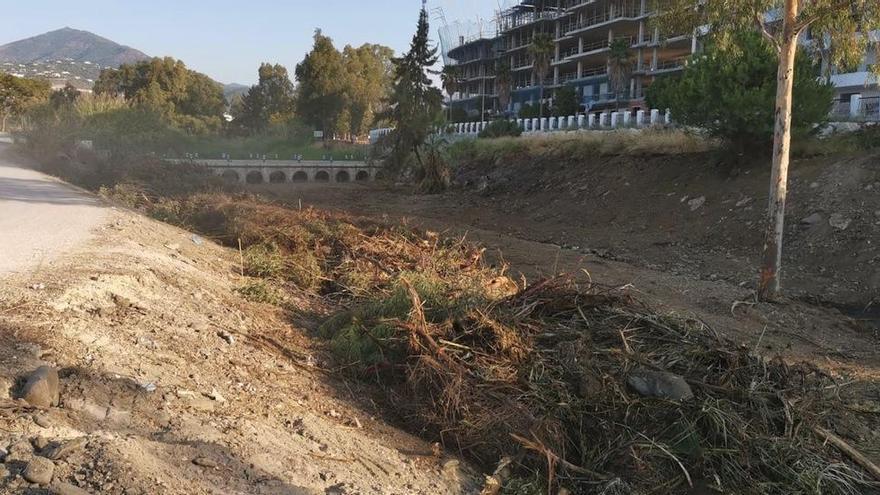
<point x="293" y="171"/>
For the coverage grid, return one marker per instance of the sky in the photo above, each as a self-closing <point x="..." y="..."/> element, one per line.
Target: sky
<point x="228" y="40"/>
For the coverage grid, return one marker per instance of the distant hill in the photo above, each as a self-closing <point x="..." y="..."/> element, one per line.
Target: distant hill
<point x="72" y="44"/>
<point x="230" y="90"/>
<point x="65" y="55"/>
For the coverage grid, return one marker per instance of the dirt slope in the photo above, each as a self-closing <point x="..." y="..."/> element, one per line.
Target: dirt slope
<point x="628" y="221"/>
<point x="176" y="385"/>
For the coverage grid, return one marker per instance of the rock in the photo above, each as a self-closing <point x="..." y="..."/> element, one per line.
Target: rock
<point x="813" y="219"/>
<point x="21" y="450"/>
<point x="41" y="388"/>
<point x="3" y="454"/>
<point x="814" y="185"/>
<point x="42" y="421"/>
<point x="697" y="203"/>
<point x="5" y="388"/>
<point x="197" y="240"/>
<point x="40" y="443"/>
<point x="228" y="337"/>
<point x="40" y="470"/>
<point x="660" y="384"/>
<point x="60" y="488"/>
<point x="450" y="470"/>
<point x="64" y="450"/>
<point x="743" y="202"/>
<point x="205" y="462"/>
<point x="215" y="396"/>
<point x="4" y="473"/>
<point x="839" y="221"/>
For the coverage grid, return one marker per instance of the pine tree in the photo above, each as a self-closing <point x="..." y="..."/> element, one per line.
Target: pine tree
<point x="415" y="102"/>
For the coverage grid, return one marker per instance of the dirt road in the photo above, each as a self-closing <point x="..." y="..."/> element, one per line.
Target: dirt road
<point x="40" y="217"/>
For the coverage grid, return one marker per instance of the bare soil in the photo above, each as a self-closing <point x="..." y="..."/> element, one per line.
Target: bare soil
<point x="625" y="220"/>
<point x="172" y="383"/>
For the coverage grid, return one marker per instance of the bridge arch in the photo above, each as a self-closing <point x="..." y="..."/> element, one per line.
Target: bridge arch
<point x="322" y="176"/>
<point x="300" y="176"/>
<point x="362" y="176"/>
<point x="277" y="177"/>
<point x="231" y="176"/>
<point x="379" y="175"/>
<point x="254" y="177"/>
<point x="343" y="176"/>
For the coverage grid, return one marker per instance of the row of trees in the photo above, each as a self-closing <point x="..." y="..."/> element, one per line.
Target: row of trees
<point x="187" y="99"/>
<point x="339" y="93"/>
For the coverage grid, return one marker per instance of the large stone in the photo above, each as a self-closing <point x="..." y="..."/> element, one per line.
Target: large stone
<point x="40" y="470"/>
<point x="697" y="203"/>
<point x="63" y="450"/>
<point x="839" y="221"/>
<point x="66" y="489"/>
<point x="660" y="384"/>
<point x="41" y="389"/>
<point x="813" y="219"/>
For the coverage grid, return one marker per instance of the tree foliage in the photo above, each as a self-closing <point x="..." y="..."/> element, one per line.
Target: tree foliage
<point x="270" y="101"/>
<point x="565" y="102"/>
<point x="341" y="92"/>
<point x="64" y="97"/>
<point x="619" y="68"/>
<point x="541" y="50"/>
<point x="503" y="83"/>
<point x="730" y="89"/>
<point x="368" y="71"/>
<point x="415" y="102"/>
<point x="321" y="92"/>
<point x="17" y="94"/>
<point x="189" y="100"/>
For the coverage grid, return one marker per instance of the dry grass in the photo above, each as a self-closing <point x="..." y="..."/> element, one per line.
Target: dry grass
<point x="583" y="145"/>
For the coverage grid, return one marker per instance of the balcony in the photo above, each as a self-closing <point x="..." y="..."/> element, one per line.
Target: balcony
<point x="573" y="27"/>
<point x="591" y="48"/>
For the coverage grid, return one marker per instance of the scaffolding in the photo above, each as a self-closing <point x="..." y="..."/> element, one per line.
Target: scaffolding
<point x="460" y="33"/>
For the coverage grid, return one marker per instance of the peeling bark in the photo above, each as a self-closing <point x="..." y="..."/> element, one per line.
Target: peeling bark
<point x="769" y="283"/>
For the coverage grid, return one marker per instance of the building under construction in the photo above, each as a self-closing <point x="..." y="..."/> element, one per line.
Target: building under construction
<point x="583" y="32"/>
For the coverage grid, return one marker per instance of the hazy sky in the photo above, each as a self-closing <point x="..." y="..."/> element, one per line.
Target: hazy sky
<point x="228" y="39"/>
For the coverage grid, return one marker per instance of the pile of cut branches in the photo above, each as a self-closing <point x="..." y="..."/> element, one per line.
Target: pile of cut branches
<point x="548" y="377"/>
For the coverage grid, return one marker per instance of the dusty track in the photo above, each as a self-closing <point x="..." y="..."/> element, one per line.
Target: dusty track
<point x="40" y="217"/>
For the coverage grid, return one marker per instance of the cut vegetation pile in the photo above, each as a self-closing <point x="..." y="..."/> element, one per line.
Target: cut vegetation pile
<point x="566" y="384"/>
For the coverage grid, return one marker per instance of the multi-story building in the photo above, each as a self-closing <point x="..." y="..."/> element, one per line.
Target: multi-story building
<point x="858" y="91"/>
<point x="583" y="31"/>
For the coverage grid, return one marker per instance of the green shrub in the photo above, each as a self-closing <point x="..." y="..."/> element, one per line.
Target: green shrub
<point x="730" y="91"/>
<point x="501" y="128"/>
<point x="260" y="292"/>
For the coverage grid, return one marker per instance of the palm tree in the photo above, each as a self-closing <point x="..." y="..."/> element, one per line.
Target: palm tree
<point x="503" y="83"/>
<point x="450" y="80"/>
<point x="541" y="50"/>
<point x="619" y="68"/>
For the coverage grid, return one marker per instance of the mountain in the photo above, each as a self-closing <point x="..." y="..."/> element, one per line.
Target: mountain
<point x="231" y="90"/>
<point x="70" y="44"/>
<point x="65" y="56"/>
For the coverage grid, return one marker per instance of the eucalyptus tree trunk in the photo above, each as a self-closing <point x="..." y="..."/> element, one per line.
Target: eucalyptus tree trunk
<point x="768" y="287"/>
